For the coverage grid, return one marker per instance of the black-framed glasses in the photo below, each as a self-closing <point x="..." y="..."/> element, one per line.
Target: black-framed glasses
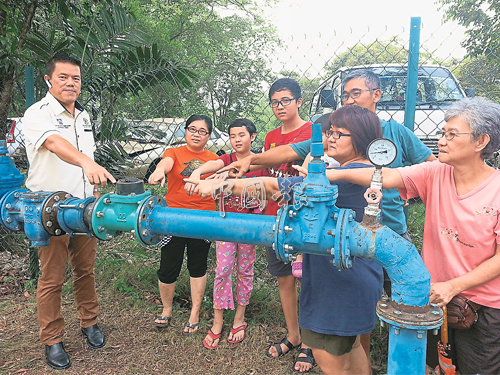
<point x="284" y="102"/>
<point x="193" y="130"/>
<point x="335" y="134"/>
<point x="448" y="134"/>
<point x="354" y="93"/>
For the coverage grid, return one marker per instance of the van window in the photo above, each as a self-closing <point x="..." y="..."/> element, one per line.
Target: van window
<point x="434" y="86"/>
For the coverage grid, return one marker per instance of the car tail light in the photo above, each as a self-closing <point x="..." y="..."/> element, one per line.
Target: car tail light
<point x="10" y="134"/>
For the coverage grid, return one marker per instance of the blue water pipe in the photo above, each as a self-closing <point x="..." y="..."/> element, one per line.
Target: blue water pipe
<point x="313" y="225"/>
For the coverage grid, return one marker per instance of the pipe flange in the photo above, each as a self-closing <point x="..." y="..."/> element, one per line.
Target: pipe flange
<point x="49" y="213"/>
<point x="427" y="317"/>
<point x="144" y="221"/>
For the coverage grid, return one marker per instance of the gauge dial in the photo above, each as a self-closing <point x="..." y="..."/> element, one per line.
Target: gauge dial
<point x="382" y="152"/>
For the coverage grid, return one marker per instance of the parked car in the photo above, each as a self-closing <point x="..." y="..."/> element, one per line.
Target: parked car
<point x="437" y="90"/>
<point x="149" y="138"/>
<point x="15" y="142"/>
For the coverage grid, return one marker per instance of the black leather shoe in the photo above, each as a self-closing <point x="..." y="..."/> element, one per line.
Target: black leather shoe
<point x="95" y="338"/>
<point x="57" y="357"/>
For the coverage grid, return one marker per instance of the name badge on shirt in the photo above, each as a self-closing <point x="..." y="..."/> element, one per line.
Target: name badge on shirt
<point x="87" y="126"/>
<point x="60" y="124"/>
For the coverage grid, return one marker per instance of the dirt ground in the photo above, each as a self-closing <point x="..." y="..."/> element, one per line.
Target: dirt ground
<point x="134" y="345"/>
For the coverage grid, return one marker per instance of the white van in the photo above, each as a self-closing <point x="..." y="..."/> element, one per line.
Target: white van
<point x="437" y="90"/>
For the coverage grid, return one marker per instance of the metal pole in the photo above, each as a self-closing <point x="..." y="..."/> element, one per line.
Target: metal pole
<point x="412" y="77"/>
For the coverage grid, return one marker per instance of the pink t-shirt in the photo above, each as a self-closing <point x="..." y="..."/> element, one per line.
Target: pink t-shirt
<point x="460" y="232"/>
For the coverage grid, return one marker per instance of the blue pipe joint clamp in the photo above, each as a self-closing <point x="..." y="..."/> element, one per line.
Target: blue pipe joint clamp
<point x="32" y="208"/>
<point x="73" y="215"/>
<point x="114" y="214"/>
<point x="11" y="210"/>
<point x="144" y="230"/>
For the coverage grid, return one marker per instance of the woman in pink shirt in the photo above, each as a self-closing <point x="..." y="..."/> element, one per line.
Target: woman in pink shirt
<point x="461" y="246"/>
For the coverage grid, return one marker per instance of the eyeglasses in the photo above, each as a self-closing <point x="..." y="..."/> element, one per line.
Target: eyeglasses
<point x="335" y="134"/>
<point x="354" y="94"/>
<point x="449" y="134"/>
<point x="284" y="102"/>
<point x="201" y="131"/>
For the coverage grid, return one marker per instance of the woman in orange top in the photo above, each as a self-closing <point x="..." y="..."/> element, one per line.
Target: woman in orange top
<point x="178" y="163"/>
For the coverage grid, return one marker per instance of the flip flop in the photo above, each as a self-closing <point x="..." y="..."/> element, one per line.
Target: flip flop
<point x="214" y="337"/>
<point x="236" y="330"/>
<point x="192" y="326"/>
<point x="277" y="346"/>
<point x="297" y="269"/>
<point x="165" y="319"/>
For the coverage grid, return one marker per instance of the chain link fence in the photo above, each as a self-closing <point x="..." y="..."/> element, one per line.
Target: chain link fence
<point x="140" y="112"/>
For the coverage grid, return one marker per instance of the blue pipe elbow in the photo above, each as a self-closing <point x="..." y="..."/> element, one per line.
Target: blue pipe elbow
<point x="411" y="281"/>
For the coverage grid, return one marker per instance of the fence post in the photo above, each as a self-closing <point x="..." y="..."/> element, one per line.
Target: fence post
<point x="411" y="80"/>
<point x="412" y="76"/>
<point x="29" y="74"/>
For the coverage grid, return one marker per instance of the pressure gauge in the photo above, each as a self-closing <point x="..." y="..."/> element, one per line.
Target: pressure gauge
<point x="382" y="152"/>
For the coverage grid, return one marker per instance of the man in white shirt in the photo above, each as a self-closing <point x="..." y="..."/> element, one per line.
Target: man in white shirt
<point x="60" y="148"/>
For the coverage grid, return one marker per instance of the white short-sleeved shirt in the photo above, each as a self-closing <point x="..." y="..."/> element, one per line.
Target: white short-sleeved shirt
<point x="47" y="172"/>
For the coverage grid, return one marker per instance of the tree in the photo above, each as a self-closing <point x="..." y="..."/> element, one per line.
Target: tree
<point x="482" y="20"/>
<point x="16" y="17"/>
<point x="117" y="60"/>
<point x="225" y="42"/>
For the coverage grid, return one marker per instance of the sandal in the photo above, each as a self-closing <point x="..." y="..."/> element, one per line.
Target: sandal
<point x="236" y="330"/>
<point x="165" y="319"/>
<point x="214" y="337"/>
<point x="193" y="326"/>
<point x="297" y="269"/>
<point x="307" y="359"/>
<point x="277" y="346"/>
